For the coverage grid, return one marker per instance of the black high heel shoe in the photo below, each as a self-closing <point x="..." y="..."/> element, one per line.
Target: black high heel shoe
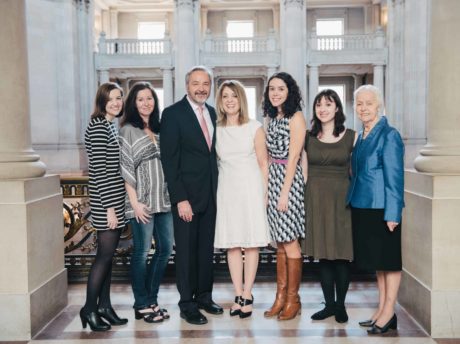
<point x="150" y="316"/>
<point x="245" y="302"/>
<point x="235" y="312"/>
<point x="391" y="324"/>
<point x="94" y="321"/>
<point x="112" y="317"/>
<point x="367" y="323"/>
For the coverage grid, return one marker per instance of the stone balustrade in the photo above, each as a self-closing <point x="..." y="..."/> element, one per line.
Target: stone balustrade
<point x="347" y="42"/>
<point x="134" y="46"/>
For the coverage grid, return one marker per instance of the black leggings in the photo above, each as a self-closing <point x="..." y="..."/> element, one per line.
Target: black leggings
<point x="98" y="288"/>
<point x="334" y="273"/>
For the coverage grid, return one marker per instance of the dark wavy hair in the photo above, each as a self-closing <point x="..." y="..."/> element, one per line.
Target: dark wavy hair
<point x="339" y="118"/>
<point x="103" y="97"/>
<point x="131" y="114"/>
<point x="293" y="102"/>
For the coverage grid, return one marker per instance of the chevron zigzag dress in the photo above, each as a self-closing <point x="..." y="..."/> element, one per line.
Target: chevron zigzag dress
<point x="290" y="225"/>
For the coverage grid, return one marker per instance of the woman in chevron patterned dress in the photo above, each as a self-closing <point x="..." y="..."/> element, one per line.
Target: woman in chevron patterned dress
<point x="286" y="214"/>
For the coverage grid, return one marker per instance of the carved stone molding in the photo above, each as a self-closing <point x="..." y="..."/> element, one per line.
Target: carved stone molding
<point x="293" y="3"/>
<point x="185" y="3"/>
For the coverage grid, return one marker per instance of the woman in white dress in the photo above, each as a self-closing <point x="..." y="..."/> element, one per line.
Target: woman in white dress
<point x="241" y="193"/>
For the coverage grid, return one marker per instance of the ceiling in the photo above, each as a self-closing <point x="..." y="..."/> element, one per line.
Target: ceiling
<point x="156" y="5"/>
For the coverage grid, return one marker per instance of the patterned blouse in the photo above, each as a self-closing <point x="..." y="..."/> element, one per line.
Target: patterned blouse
<point x="140" y="167"/>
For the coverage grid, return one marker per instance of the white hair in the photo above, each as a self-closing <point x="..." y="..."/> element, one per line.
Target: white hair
<point x="377" y="93"/>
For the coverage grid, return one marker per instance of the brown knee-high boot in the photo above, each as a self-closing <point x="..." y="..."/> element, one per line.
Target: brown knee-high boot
<point x="292" y="307"/>
<point x="281" y="284"/>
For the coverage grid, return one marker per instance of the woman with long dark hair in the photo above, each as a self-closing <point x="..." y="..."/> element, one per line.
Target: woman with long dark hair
<point x="107" y="202"/>
<point x="328" y="219"/>
<point x="147" y="206"/>
<point x="286" y="214"/>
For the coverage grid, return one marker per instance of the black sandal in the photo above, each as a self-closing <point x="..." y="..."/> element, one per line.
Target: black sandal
<point x="163" y="311"/>
<point x="150" y="317"/>
<point x="245" y="302"/>
<point x="234" y="312"/>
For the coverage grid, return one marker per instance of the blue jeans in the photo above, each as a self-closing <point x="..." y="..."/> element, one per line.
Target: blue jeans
<point x="146" y="278"/>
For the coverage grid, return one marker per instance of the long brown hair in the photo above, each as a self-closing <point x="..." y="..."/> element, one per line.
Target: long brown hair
<point x="103" y="97"/>
<point x="238" y="88"/>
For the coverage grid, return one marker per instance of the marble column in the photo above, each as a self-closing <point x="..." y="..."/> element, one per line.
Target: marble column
<point x="313" y="84"/>
<point x="113" y="23"/>
<point x="378" y="77"/>
<point x="186" y="54"/>
<point x="168" y="87"/>
<point x="33" y="288"/>
<point x="293" y="41"/>
<point x="394" y="94"/>
<point x="430" y="288"/>
<point x="271" y="69"/>
<point x="276" y="17"/>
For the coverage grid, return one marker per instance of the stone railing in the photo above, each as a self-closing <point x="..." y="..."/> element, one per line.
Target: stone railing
<point x="134" y="46"/>
<point x="347" y="42"/>
<point x="224" y="45"/>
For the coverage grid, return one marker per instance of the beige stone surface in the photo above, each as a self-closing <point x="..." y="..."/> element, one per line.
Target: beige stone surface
<point x="430" y="288"/>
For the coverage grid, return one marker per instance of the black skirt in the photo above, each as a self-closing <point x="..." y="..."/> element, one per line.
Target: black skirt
<point x="374" y="246"/>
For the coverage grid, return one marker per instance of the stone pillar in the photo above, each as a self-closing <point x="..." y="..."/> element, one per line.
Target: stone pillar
<point x="113" y="23"/>
<point x="430" y="289"/>
<point x="271" y="69"/>
<point x="33" y="288"/>
<point x="394" y="94"/>
<point x="276" y="17"/>
<point x="168" y="86"/>
<point x="104" y="76"/>
<point x="204" y="20"/>
<point x="212" y="95"/>
<point x="378" y="77"/>
<point x="313" y="85"/>
<point x="293" y="41"/>
<point x="185" y="57"/>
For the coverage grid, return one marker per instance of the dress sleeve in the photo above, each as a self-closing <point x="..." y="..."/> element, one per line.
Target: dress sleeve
<point x="99" y="138"/>
<point x="127" y="166"/>
<point x="254" y="126"/>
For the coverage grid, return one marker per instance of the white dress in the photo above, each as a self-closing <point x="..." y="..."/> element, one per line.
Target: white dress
<point x="241" y="211"/>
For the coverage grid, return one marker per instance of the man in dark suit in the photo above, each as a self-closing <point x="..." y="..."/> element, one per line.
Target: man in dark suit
<point x="189" y="162"/>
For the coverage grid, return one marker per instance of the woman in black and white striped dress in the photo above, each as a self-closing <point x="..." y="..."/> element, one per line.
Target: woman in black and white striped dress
<point x="107" y="202"/>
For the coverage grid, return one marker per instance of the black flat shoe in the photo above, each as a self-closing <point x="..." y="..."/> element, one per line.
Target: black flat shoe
<point x="94" y="321"/>
<point x="211" y="308"/>
<point x="149" y="316"/>
<point x="326" y="312"/>
<point x="235" y="312"/>
<point x="391" y="324"/>
<point x="245" y="302"/>
<point x="112" y="317"/>
<point x="367" y="323"/>
<point x="341" y="315"/>
<point x="194" y="317"/>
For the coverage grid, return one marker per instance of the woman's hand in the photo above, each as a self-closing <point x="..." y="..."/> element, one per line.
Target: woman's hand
<point x="112" y="221"/>
<point x="140" y="212"/>
<point x="283" y="202"/>
<point x="392" y="225"/>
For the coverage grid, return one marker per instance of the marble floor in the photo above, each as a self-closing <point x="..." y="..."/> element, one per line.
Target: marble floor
<point x="66" y="327"/>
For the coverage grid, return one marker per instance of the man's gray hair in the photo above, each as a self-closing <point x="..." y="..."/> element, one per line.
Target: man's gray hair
<point x="198" y="68"/>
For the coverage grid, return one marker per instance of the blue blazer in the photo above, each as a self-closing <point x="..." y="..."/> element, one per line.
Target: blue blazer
<point x="377" y="171"/>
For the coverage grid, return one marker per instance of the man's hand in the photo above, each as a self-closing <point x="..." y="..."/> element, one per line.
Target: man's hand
<point x="185" y="211"/>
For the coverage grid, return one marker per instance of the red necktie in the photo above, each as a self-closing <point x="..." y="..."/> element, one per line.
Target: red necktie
<point x="204" y="126"/>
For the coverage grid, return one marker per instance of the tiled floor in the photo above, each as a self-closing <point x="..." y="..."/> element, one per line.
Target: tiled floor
<point x="66" y="328"/>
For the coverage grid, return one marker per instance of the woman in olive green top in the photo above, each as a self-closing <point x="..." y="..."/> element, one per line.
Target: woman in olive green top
<point x="328" y="220"/>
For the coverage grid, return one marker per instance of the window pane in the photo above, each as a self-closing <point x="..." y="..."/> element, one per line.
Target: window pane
<point x="240" y="29"/>
<point x="252" y="101"/>
<point x="339" y="89"/>
<point x="151" y="30"/>
<point x="329" y="27"/>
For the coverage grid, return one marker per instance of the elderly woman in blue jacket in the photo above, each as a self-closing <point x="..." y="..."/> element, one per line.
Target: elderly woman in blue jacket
<point x="376" y="197"/>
